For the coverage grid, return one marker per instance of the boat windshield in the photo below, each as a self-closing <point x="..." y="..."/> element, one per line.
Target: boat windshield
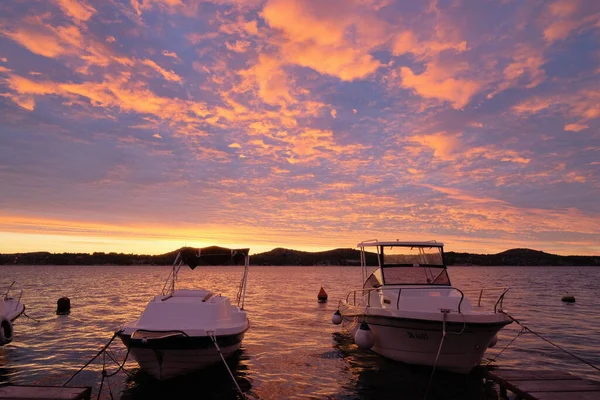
<point x="414" y="265"/>
<point x="415" y="276"/>
<point x="413" y="255"/>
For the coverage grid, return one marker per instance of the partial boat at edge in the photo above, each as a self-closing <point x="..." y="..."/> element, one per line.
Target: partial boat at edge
<point x="11" y="308"/>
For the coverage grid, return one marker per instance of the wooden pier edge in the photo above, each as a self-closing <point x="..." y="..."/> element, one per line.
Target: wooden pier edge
<point x="541" y="384"/>
<point x="34" y="392"/>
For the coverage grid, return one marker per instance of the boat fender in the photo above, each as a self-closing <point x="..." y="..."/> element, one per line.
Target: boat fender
<point x="364" y="337"/>
<point x="6" y="331"/>
<point x="493" y="342"/>
<point x="336" y="318"/>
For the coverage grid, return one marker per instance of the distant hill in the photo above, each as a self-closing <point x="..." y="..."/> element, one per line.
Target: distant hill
<point x="281" y="256"/>
<point x="520" y="257"/>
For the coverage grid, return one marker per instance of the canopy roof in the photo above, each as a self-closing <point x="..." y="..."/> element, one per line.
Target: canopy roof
<point x="213" y="255"/>
<point x="376" y="242"/>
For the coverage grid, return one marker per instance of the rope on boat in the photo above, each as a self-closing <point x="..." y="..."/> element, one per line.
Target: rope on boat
<point x="214" y="340"/>
<point x="444" y="313"/>
<point x="553" y="344"/>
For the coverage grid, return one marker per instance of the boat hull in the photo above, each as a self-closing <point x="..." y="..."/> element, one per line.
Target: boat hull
<point x="181" y="355"/>
<point x="417" y="342"/>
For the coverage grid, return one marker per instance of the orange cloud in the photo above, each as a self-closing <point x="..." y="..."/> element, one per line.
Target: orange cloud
<point x="533" y="105"/>
<point x="272" y="81"/>
<point x="36" y="42"/>
<point x="444" y="145"/>
<point x="583" y="104"/>
<point x="436" y="82"/>
<point x="168" y="75"/>
<point x="407" y="42"/>
<point x="527" y="62"/>
<point x="65" y="41"/>
<point x="79" y="10"/>
<point x="315" y="37"/>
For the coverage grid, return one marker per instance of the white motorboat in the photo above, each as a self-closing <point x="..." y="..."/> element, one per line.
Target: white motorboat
<point x="183" y="330"/>
<point x="11" y="308"/>
<point x="408" y="310"/>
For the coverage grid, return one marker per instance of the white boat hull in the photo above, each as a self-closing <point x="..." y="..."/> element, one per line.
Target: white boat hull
<point x="417" y="342"/>
<point x="167" y="362"/>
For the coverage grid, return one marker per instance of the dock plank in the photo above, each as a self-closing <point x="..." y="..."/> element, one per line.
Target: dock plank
<point x="21" y="392"/>
<point x="530" y="375"/>
<point x="561" y="396"/>
<point x="544" y="384"/>
<point x="558" y="386"/>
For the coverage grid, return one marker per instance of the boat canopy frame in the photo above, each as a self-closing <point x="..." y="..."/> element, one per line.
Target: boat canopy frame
<point x="209" y="256"/>
<point x="380" y="246"/>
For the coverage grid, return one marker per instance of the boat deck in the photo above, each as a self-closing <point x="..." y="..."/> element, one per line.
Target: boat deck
<point x="543" y="384"/>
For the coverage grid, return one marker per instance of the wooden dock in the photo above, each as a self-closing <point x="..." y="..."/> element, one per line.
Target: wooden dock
<point x="21" y="392"/>
<point x="543" y="384"/>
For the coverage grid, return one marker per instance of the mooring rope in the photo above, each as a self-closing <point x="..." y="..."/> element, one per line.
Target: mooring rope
<point x="31" y="318"/>
<point x="214" y="340"/>
<point x="102" y="350"/>
<point x="445" y="313"/>
<point x="506" y="347"/>
<point x="553" y="344"/>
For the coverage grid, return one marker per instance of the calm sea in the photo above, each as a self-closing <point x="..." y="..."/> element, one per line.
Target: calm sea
<point x="292" y="350"/>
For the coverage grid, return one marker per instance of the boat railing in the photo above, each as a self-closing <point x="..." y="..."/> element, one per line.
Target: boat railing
<point x="494" y="289"/>
<point x="365" y="294"/>
<point x="7" y="294"/>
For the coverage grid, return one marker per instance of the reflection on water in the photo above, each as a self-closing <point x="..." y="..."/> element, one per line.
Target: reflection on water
<point x="291" y="350"/>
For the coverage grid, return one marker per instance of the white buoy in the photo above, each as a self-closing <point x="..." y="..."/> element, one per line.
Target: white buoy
<point x="364" y="337"/>
<point x="336" y="318"/>
<point x="493" y="342"/>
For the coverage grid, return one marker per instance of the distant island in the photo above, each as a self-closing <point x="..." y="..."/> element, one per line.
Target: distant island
<point x="281" y="256"/>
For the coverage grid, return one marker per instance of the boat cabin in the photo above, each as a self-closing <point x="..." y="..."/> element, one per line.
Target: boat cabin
<point x="405" y="263"/>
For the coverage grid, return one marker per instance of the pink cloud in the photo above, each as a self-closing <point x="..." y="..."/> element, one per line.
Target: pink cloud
<point x="566" y="16"/>
<point x="575" y="127"/>
<point x="239" y="46"/>
<point x="171" y="54"/>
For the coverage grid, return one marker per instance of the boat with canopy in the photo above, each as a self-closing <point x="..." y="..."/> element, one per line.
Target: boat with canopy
<point x="408" y="310"/>
<point x="184" y="330"/>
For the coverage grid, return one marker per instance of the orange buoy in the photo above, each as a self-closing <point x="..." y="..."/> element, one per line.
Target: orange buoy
<point x="322" y="296"/>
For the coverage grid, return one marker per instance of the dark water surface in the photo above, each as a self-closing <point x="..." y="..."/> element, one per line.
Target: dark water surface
<point x="291" y="350"/>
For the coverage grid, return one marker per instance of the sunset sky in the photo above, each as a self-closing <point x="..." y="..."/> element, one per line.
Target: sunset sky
<point x="141" y="126"/>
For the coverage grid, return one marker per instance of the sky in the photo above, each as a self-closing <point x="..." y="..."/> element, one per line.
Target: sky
<point x="141" y="126"/>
